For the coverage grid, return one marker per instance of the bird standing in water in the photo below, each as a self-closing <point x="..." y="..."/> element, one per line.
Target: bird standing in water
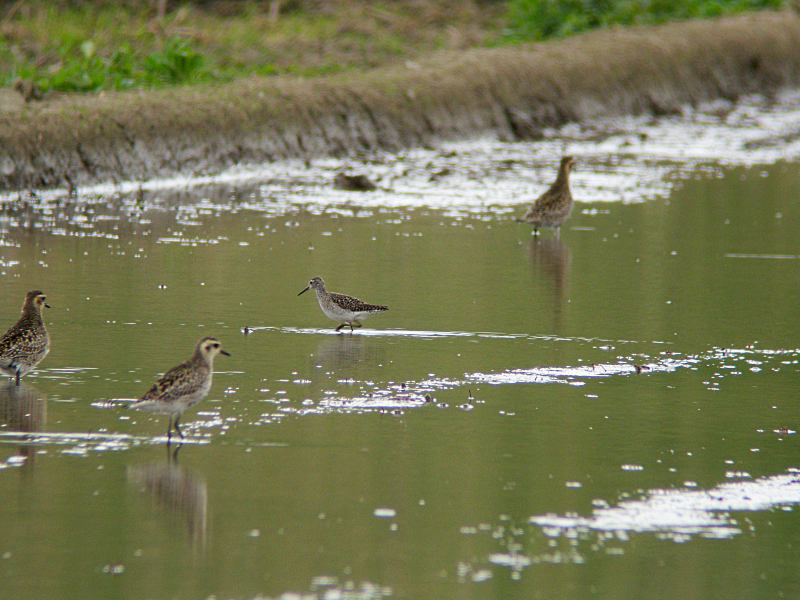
<point x="554" y="206"/>
<point x="346" y="310"/>
<point x="27" y="342"/>
<point x="183" y="386"/>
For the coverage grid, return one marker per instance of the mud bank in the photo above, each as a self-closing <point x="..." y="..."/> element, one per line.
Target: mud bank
<point x="513" y="92"/>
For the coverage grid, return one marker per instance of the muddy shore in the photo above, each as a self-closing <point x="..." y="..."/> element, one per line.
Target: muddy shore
<point x="513" y="92"/>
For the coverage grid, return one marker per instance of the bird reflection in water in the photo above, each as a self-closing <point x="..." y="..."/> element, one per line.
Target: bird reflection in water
<point x="550" y="257"/>
<point x="343" y="353"/>
<point x="180" y="491"/>
<point x="23" y="409"/>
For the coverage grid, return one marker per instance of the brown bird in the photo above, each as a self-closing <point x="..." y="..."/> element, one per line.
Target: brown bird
<point x="183" y="386"/>
<point x="27" y="342"/>
<point x="553" y="207"/>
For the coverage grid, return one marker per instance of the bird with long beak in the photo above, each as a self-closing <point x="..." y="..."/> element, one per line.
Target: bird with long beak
<point x="345" y="310"/>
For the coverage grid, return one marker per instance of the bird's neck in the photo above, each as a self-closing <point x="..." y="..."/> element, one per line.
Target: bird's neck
<point x="198" y="358"/>
<point x="31" y="313"/>
<point x="563" y="177"/>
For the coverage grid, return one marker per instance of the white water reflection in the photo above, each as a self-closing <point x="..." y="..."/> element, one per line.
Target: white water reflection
<point x="415" y="333"/>
<point x="380" y="402"/>
<point x="681" y="513"/>
<point x="676" y="515"/>
<point x="83" y="443"/>
<point x="324" y="587"/>
<point x="733" y="360"/>
<point x="358" y="395"/>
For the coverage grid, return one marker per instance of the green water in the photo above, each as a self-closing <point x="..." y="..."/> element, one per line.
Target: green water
<point x="317" y="468"/>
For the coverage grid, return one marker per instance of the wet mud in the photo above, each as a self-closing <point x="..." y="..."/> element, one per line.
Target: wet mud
<point x="513" y="93"/>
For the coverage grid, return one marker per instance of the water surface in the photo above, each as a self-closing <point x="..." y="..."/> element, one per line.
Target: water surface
<point x="610" y="412"/>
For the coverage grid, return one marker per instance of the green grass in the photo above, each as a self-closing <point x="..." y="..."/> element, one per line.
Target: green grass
<point x="84" y="50"/>
<point x="94" y="46"/>
<point x="543" y="19"/>
<point x="83" y="69"/>
<point x="74" y="46"/>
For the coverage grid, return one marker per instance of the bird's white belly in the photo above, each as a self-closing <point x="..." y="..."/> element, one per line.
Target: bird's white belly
<point x="337" y="313"/>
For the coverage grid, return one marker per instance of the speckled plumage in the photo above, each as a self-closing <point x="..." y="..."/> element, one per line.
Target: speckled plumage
<point x="554" y="206"/>
<point x="183" y="386"/>
<point x="27" y="342"/>
<point x="345" y="310"/>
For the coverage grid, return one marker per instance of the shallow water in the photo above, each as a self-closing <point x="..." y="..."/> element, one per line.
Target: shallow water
<point x="607" y="413"/>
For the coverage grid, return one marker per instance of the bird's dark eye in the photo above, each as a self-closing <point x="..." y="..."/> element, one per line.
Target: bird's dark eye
<point x="216" y="345"/>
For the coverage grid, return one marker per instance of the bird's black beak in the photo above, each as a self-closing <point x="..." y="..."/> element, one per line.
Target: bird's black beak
<point x="225" y="353"/>
<point x="305" y="290"/>
<point x="46" y="305"/>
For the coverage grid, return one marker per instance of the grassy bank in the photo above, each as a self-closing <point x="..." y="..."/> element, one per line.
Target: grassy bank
<point x="90" y="47"/>
<point x="511" y="92"/>
<point x="94" y="45"/>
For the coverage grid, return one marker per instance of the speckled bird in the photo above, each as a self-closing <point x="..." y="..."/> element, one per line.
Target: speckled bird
<point x="25" y="344"/>
<point x="183" y="386"/>
<point x="345" y="310"/>
<point x="554" y="206"/>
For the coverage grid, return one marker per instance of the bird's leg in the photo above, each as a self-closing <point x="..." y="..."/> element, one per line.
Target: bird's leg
<point x="340" y="326"/>
<point x="169" y="430"/>
<point x="535" y="232"/>
<point x="175" y="425"/>
<point x="16" y="379"/>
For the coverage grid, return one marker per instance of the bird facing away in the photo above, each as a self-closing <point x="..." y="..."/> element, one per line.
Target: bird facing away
<point x="346" y="310"/>
<point x="183" y="386"/>
<point x="25" y="345"/>
<point x="554" y="206"/>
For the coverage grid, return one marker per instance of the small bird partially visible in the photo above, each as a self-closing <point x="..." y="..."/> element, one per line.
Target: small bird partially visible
<point x="183" y="386"/>
<point x="554" y="206"/>
<point x="27" y="342"/>
<point x="346" y="310"/>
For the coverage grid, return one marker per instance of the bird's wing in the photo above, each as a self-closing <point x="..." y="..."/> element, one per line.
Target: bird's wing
<point x="173" y="384"/>
<point x="547" y="200"/>
<point x="18" y="341"/>
<point x="354" y="304"/>
<point x="551" y="200"/>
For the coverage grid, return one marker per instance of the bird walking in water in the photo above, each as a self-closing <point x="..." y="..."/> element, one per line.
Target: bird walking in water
<point x="346" y="310"/>
<point x="554" y="206"/>
<point x="27" y="342"/>
<point x="183" y="386"/>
